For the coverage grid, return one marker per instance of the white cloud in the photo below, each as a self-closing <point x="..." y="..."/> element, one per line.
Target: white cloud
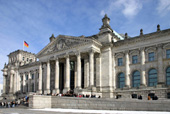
<point x="163" y="7"/>
<point x="129" y="8"/>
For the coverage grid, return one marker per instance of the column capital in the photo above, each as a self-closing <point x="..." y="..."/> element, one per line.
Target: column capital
<point x="67" y="56"/>
<point x="126" y="51"/>
<point x="57" y="59"/>
<point x="160" y="46"/>
<point x="91" y="51"/>
<point x="142" y="48"/>
<point x="77" y="53"/>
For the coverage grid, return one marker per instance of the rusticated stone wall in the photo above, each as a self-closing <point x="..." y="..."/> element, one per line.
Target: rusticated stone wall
<point x="99" y="104"/>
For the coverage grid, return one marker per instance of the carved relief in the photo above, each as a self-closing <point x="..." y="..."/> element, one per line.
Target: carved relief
<point x="62" y="44"/>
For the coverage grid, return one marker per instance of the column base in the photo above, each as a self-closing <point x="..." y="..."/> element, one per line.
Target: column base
<point x="160" y="85"/>
<point x="39" y="92"/>
<point x="127" y="87"/>
<point x="56" y="91"/>
<point x="107" y="95"/>
<point x="47" y="91"/>
<point x="77" y="90"/>
<point x="93" y="89"/>
<point x="65" y="90"/>
<point x="142" y="86"/>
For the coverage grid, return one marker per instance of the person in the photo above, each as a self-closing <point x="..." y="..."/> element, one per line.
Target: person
<point x="149" y="98"/>
<point x="140" y="97"/>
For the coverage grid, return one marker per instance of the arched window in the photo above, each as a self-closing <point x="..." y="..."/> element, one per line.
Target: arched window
<point x="152" y="77"/>
<point x="121" y="80"/>
<point x="168" y="76"/>
<point x="136" y="78"/>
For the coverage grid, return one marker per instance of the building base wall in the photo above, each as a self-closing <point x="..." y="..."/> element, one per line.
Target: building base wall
<point x="38" y="101"/>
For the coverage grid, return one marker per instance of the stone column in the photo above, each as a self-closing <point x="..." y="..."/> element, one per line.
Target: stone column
<point x="127" y="78"/>
<point x="23" y="82"/>
<point x="143" y="78"/>
<point x="161" y="76"/>
<point x="75" y="75"/>
<point x="86" y="73"/>
<point x="29" y="82"/>
<point x="67" y="80"/>
<point x="11" y="81"/>
<point x="4" y="84"/>
<point x="78" y="71"/>
<point x="47" y="91"/>
<point x="91" y="57"/>
<point x="56" y="90"/>
<point x="67" y="73"/>
<point x="40" y="79"/>
<point x="35" y="72"/>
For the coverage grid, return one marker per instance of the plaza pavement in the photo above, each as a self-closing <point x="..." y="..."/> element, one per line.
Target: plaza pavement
<point x="71" y="111"/>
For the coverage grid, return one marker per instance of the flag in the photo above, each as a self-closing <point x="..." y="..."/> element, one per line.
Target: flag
<point x="26" y="44"/>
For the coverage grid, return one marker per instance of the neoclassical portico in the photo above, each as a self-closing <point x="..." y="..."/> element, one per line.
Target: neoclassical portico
<point x="66" y="59"/>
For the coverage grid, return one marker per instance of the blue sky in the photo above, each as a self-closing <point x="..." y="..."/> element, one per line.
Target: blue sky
<point x="36" y="20"/>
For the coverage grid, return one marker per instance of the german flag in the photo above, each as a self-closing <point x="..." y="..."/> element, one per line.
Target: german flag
<point x="26" y="44"/>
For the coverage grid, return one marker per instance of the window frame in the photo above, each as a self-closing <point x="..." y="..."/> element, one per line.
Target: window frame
<point x="134" y="60"/>
<point x="120" y="63"/>
<point x="151" y="58"/>
<point x="167" y="54"/>
<point x="134" y="80"/>
<point x="168" y="68"/>
<point x="151" y="76"/>
<point x="119" y="81"/>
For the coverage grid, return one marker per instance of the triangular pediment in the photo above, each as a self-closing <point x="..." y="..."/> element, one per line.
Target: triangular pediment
<point x="62" y="43"/>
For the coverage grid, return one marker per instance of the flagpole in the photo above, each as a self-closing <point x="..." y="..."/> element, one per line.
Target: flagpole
<point x="23" y="45"/>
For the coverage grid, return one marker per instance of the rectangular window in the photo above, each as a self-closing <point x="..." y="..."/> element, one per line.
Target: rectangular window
<point x="26" y="77"/>
<point x="32" y="76"/>
<point x="21" y="78"/>
<point x="23" y="58"/>
<point x="27" y="59"/>
<point x="33" y="87"/>
<point x="120" y="61"/>
<point x="134" y="59"/>
<point x="151" y="56"/>
<point x="168" y="53"/>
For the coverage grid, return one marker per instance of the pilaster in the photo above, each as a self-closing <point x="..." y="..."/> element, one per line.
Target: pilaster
<point x="4" y="84"/>
<point x="98" y="72"/>
<point x="161" y="76"/>
<point x="11" y="81"/>
<point x="143" y="77"/>
<point x="127" y="76"/>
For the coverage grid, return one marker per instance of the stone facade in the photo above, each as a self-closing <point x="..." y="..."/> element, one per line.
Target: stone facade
<point x="104" y="64"/>
<point x="97" y="104"/>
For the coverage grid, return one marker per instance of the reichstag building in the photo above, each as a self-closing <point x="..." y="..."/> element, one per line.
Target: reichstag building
<point x="106" y="64"/>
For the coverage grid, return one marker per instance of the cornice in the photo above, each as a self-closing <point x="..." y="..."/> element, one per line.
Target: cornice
<point x="142" y="38"/>
<point x="29" y="65"/>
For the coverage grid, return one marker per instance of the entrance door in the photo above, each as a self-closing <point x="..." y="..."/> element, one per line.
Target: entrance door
<point x="61" y="77"/>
